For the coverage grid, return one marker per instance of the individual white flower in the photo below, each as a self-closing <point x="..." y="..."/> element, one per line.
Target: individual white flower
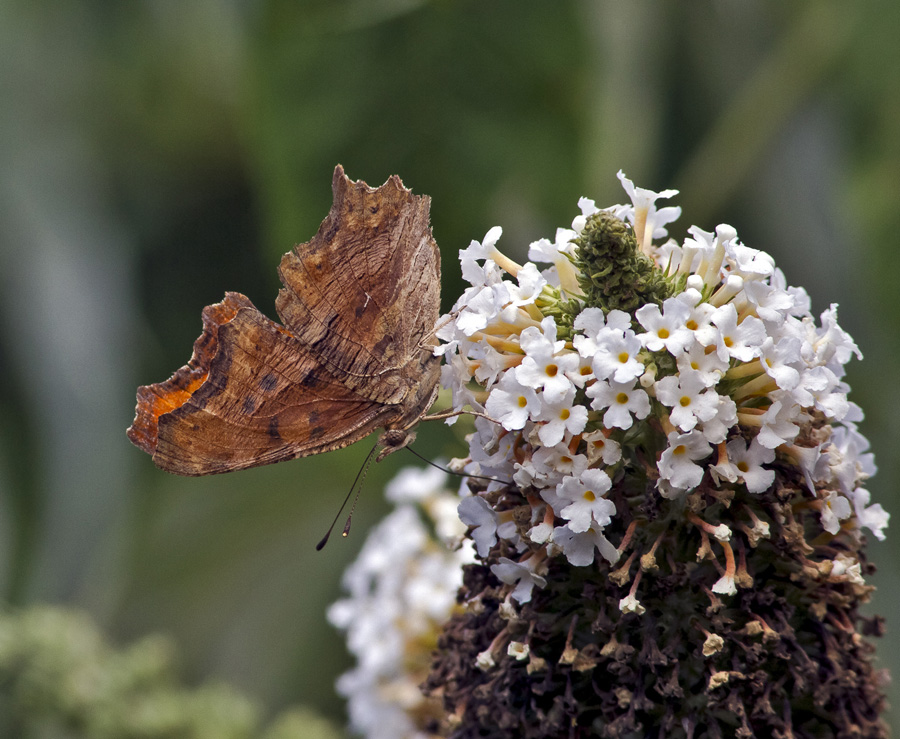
<point x="551" y="464"/>
<point x="580" y="548"/>
<point x="483" y="249"/>
<point x="813" y="463"/>
<point x="592" y="322"/>
<point x="873" y="517"/>
<point x="485" y="660"/>
<point x="688" y="397"/>
<point x="518" y="650"/>
<point x="520" y="574"/>
<point x="801" y="301"/>
<point x="698" y="252"/>
<point x="745" y="464"/>
<point x="848" y="458"/>
<point x="541" y="533"/>
<point x="777" y="424"/>
<point x="511" y="403"/>
<point x="482" y="307"/>
<point x="820" y="388"/>
<point x="751" y="264"/>
<point x="832" y="342"/>
<point x="562" y="274"/>
<point x="847" y="568"/>
<point x="489" y="450"/>
<point x="531" y="283"/>
<point x="677" y="463"/>
<point x="543" y="367"/>
<point x="725" y="585"/>
<point x="715" y="430"/>
<point x="630" y="604"/>
<point x="699" y="320"/>
<point x="835" y="508"/>
<point x="665" y="329"/>
<point x="771" y="303"/>
<point x="647" y="218"/>
<point x="560" y="417"/>
<point x="709" y="367"/>
<point x="583" y="373"/>
<point x="777" y="360"/>
<point x="621" y="401"/>
<point x="475" y="511"/>
<point x="668" y="256"/>
<point x="600" y="448"/>
<point x="737" y="340"/>
<point x="616" y="355"/>
<point x="586" y="504"/>
<point x="490" y="364"/>
<point x="587" y="206"/>
<point x="454" y="377"/>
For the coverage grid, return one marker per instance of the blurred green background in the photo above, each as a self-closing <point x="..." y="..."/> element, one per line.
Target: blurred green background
<point x="156" y="154"/>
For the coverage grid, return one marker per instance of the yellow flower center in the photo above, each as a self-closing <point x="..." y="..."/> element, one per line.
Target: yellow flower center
<point x="623" y="357"/>
<point x="589" y="496"/>
<point x="622" y="398"/>
<point x="523" y="401"/>
<point x="564" y="414"/>
<point x="685" y="401"/>
<point x="663" y="333"/>
<point x="679" y="450"/>
<point x="551" y="370"/>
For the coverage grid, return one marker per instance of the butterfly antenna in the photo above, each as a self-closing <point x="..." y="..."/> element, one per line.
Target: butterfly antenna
<point x="364" y="471"/>
<point x="360" y="476"/>
<point x="451" y="472"/>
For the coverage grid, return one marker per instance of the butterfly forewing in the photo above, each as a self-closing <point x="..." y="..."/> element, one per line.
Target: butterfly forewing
<point x="364" y="292"/>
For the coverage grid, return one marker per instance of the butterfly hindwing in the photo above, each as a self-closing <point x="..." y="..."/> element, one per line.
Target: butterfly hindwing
<point x="264" y="399"/>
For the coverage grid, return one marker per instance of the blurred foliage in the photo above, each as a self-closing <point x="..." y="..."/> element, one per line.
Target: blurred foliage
<point x="154" y="155"/>
<point x="58" y="678"/>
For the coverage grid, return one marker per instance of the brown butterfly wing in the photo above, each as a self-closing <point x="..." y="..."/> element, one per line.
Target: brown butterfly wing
<point x="255" y="392"/>
<point x="251" y="395"/>
<point x="364" y="293"/>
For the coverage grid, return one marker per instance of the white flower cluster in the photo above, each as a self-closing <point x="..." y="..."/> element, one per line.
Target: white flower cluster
<point x="401" y="590"/>
<point x="732" y="364"/>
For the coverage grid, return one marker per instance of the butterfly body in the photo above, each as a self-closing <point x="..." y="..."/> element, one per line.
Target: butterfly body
<point x="352" y="354"/>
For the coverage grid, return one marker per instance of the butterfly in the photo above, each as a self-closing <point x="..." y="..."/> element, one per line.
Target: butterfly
<point x="353" y="351"/>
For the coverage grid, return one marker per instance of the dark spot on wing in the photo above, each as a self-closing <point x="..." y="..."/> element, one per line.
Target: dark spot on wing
<point x="316" y="432"/>
<point x="380" y="347"/>
<point x="249" y="405"/>
<point x="273" y="428"/>
<point x="268" y="382"/>
<point x="310" y="380"/>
